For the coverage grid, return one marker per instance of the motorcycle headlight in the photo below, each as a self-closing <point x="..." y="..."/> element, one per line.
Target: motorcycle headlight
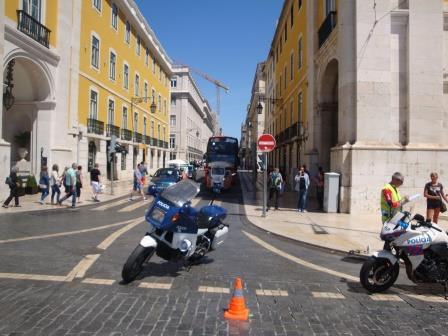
<point x="185" y="245"/>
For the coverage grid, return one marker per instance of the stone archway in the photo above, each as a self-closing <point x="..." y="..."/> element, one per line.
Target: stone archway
<point x="27" y="124"/>
<point x="328" y="112"/>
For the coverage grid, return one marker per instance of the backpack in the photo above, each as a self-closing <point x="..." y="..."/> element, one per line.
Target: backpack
<point x="8" y="181"/>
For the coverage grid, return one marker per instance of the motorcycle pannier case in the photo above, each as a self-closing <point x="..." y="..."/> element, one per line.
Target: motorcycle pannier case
<point x="219" y="237"/>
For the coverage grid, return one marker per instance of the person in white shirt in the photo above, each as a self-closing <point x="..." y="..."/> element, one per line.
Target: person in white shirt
<point x="55" y="183"/>
<point x="302" y="183"/>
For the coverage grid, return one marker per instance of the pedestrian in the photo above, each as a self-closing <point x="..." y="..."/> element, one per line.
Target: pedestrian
<point x="63" y="178"/>
<point x="13" y="182"/>
<point x="55" y="183"/>
<point x="70" y="185"/>
<point x="434" y="198"/>
<point x="144" y="172"/>
<point x="275" y="182"/>
<point x="137" y="185"/>
<point x="44" y="184"/>
<point x="319" y="180"/>
<point x="183" y="174"/>
<point x="95" y="182"/>
<point x="302" y="181"/>
<point x="79" y="178"/>
<point x="391" y="200"/>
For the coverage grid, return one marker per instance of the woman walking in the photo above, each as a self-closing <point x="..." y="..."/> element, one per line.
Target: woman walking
<point x="44" y="184"/>
<point x="14" y="184"/>
<point x="302" y="183"/>
<point x="79" y="178"/>
<point x="434" y="198"/>
<point x="55" y="182"/>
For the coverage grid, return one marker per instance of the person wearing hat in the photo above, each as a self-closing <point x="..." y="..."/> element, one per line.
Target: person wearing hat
<point x="391" y="200"/>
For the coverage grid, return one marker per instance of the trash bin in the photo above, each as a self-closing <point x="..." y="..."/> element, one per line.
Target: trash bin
<point x="331" y="192"/>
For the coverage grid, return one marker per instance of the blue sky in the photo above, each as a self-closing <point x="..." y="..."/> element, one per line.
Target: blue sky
<point x="225" y="39"/>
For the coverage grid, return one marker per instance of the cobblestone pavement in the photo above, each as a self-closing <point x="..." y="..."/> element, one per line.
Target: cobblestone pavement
<point x="65" y="280"/>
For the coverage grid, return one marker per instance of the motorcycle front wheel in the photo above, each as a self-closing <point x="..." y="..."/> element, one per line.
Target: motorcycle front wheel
<point x="134" y="264"/>
<point x="377" y="275"/>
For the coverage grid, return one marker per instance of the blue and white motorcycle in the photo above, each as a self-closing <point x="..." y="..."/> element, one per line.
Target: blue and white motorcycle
<point x="422" y="245"/>
<point x="176" y="230"/>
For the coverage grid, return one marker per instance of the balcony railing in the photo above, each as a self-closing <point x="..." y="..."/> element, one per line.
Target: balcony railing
<point x="33" y="28"/>
<point x="126" y="134"/>
<point x="165" y="144"/>
<point x="138" y="137"/>
<point x="147" y="139"/>
<point x="112" y="130"/>
<point x="95" y="126"/>
<point x="327" y="27"/>
<point x="160" y="143"/>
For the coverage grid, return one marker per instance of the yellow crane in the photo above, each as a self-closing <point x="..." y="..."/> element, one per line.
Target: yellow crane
<point x="219" y="85"/>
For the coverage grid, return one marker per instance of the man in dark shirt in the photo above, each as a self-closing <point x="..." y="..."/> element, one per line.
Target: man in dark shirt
<point x="95" y="182"/>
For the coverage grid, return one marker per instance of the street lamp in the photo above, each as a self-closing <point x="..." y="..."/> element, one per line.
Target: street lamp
<point x="8" y="98"/>
<point x="153" y="107"/>
<point x="259" y="108"/>
<point x="139" y="100"/>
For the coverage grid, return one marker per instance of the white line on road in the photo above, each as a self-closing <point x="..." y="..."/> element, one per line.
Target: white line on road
<point x="95" y="281"/>
<point x="134" y="205"/>
<point x="60" y="234"/>
<point x="386" y="297"/>
<point x="111" y="238"/>
<point x="155" y="285"/>
<point x="208" y="289"/>
<point x="300" y="261"/>
<point x="327" y="295"/>
<point x="20" y="276"/>
<point x="271" y="292"/>
<point x="79" y="271"/>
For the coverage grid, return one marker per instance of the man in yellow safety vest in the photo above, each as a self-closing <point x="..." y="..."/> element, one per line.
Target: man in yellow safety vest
<point x="391" y="200"/>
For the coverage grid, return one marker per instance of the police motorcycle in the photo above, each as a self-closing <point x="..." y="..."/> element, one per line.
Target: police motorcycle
<point x="176" y="230"/>
<point x="422" y="245"/>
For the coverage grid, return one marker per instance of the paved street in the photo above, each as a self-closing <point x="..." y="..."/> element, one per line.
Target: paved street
<point x="60" y="274"/>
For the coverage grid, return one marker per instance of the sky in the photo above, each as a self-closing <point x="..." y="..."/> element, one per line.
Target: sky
<point x="225" y="39"/>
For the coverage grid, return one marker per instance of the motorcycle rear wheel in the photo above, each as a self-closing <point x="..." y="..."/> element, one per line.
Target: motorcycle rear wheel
<point x="134" y="264"/>
<point x="378" y="275"/>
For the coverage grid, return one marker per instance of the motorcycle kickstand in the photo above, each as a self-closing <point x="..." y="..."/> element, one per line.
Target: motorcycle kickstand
<point x="445" y="286"/>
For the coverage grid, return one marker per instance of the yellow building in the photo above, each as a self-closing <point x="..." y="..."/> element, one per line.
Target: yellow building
<point x="287" y="86"/>
<point x="124" y="87"/>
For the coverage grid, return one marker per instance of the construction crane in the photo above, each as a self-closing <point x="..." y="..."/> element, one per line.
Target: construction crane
<point x="219" y="85"/>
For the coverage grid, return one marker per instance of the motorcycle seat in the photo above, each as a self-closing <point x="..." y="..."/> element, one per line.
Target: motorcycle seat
<point x="210" y="216"/>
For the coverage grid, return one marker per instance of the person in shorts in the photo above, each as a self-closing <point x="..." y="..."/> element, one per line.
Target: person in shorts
<point x="137" y="185"/>
<point x="434" y="197"/>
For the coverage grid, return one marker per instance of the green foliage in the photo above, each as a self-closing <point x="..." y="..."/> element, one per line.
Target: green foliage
<point x="31" y="182"/>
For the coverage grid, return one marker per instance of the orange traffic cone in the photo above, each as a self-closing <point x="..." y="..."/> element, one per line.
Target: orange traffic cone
<point x="237" y="307"/>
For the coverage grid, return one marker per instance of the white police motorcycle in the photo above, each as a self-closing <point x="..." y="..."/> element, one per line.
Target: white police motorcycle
<point x="176" y="230"/>
<point x="422" y="245"/>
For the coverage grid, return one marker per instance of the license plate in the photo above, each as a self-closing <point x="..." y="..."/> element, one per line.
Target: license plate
<point x="157" y="214"/>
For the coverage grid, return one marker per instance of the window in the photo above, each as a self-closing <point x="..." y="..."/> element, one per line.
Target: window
<point x="124" y="121"/>
<point x="164" y="106"/>
<point x="284" y="83"/>
<point x="172" y="140"/>
<point x="123" y="161"/>
<point x="153" y="95"/>
<point x="153" y="65"/>
<point x="291" y="75"/>
<point x="158" y="131"/>
<point x="152" y="128"/>
<point x="145" y="121"/>
<point x="281" y="44"/>
<point x="300" y="52"/>
<point x="111" y="112"/>
<point x="127" y="34"/>
<point x="174" y="82"/>
<point x="137" y="85"/>
<point x="300" y="4"/>
<point x="146" y="90"/>
<point x="291" y="112"/>
<point x="95" y="52"/>
<point x="286" y="31"/>
<point x="135" y="122"/>
<point x="147" y="57"/>
<point x="97" y="4"/>
<point x="173" y="101"/>
<point x="328" y="6"/>
<point x="114" y="16"/>
<point x="112" y="62"/>
<point x="164" y="133"/>
<point x="291" y="14"/>
<point x="160" y="104"/>
<point x="93" y="113"/>
<point x="173" y="120"/>
<point x="33" y="8"/>
<point x="299" y="108"/>
<point x="126" y="76"/>
<point x="138" y="46"/>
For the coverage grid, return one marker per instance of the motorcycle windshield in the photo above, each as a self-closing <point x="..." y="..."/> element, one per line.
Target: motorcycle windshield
<point x="181" y="192"/>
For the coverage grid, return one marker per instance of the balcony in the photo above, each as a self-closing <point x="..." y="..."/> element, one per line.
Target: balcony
<point x="33" y="28"/>
<point x="112" y="130"/>
<point x="95" y="126"/>
<point x="165" y="144"/>
<point x="146" y="139"/>
<point x="153" y="142"/>
<point x="126" y="134"/>
<point x="138" y="137"/>
<point x="160" y="143"/>
<point x="327" y="27"/>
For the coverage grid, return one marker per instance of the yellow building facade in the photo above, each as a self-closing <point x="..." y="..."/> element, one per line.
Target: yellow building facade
<point x="124" y="87"/>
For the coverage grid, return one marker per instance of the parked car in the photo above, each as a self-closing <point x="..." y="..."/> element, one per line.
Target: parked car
<point x="163" y="178"/>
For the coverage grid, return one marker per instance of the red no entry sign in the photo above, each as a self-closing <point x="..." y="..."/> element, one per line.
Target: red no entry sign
<point x="266" y="143"/>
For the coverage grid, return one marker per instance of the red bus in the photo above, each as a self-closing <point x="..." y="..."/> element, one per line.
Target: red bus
<point x="221" y="162"/>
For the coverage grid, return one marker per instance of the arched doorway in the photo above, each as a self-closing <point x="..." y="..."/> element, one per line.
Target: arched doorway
<point x="328" y="110"/>
<point x="27" y="123"/>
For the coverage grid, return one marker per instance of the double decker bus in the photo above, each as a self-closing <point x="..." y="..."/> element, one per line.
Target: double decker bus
<point x="221" y="163"/>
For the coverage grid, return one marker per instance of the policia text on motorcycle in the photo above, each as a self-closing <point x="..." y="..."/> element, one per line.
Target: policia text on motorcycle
<point x="391" y="200"/>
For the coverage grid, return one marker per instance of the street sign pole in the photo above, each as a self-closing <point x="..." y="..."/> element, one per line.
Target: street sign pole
<point x="112" y="174"/>
<point x="265" y="184"/>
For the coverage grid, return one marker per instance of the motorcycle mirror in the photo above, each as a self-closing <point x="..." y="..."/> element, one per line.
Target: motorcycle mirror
<point x="419" y="218"/>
